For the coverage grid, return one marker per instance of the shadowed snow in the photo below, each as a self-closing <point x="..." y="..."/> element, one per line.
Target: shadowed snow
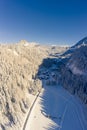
<point x="56" y="109"/>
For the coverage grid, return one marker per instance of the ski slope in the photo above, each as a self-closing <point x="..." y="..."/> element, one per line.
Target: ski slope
<point x="56" y="109"/>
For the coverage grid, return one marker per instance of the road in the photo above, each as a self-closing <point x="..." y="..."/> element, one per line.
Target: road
<point x="56" y="109"/>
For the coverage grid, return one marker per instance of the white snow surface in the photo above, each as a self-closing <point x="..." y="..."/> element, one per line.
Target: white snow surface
<point x="65" y="111"/>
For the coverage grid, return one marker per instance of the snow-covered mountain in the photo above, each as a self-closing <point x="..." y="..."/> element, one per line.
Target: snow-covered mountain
<point x="19" y="65"/>
<point x="82" y="42"/>
<point x="72" y="49"/>
<point x="74" y="72"/>
<point x="78" y="62"/>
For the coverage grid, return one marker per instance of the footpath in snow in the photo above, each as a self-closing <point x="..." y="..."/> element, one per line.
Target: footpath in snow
<point x="56" y="109"/>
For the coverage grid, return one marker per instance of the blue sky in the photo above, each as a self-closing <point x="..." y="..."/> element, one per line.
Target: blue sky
<point x="44" y="21"/>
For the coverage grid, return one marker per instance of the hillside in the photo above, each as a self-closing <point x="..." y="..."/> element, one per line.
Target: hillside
<point x="24" y="65"/>
<point x="74" y="73"/>
<point x="19" y="64"/>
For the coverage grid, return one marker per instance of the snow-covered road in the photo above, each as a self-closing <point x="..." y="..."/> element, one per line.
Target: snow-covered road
<point x="56" y="109"/>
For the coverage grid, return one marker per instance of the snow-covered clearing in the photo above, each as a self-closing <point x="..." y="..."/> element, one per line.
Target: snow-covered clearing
<point x="56" y="109"/>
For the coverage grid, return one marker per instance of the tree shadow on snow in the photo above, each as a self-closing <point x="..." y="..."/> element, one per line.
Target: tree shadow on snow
<point x="48" y="74"/>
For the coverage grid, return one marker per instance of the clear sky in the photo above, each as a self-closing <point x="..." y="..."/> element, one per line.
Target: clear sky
<point x="44" y="21"/>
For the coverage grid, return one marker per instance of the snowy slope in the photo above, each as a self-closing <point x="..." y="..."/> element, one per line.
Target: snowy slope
<point x="63" y="110"/>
